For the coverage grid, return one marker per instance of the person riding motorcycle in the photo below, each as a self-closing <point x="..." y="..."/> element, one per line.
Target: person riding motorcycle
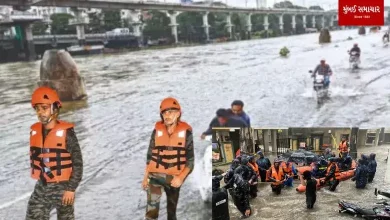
<point x="324" y="70"/>
<point x="386" y="37"/>
<point x="357" y="51"/>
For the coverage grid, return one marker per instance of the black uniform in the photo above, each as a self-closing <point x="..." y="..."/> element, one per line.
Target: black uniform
<point x="241" y="190"/>
<point x="220" y="201"/>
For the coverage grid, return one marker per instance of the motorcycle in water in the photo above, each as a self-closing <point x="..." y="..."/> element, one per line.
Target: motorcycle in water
<point x="380" y="212"/>
<point x="319" y="85"/>
<point x="353" y="60"/>
<point x="381" y="193"/>
<point x="205" y="188"/>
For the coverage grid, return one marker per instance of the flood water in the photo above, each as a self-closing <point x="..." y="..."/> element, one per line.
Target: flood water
<point x="125" y="90"/>
<point x="292" y="205"/>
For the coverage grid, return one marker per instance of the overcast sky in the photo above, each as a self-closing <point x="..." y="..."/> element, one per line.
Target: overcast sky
<point x="327" y="4"/>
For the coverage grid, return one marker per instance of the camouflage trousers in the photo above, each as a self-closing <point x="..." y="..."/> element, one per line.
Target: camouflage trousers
<point x="157" y="184"/>
<point x="46" y="198"/>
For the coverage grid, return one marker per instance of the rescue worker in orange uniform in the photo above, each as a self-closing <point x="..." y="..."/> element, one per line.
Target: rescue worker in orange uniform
<point x="55" y="160"/>
<point x="276" y="176"/>
<point x="170" y="159"/>
<point x="332" y="174"/>
<point x="343" y="148"/>
<point x="253" y="184"/>
<point x="288" y="171"/>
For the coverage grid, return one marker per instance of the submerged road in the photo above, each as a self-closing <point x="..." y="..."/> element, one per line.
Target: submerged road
<point x="125" y="90"/>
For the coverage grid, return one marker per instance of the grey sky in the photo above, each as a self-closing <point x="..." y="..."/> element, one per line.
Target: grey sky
<point x="327" y="4"/>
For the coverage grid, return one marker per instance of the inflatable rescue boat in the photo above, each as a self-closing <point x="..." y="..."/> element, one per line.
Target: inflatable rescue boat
<point x="344" y="175"/>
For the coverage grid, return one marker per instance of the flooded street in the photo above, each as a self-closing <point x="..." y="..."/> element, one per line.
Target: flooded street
<point x="125" y="91"/>
<point x="292" y="205"/>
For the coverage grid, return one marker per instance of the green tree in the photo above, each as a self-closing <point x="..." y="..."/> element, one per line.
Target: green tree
<point x="60" y="24"/>
<point x="112" y="20"/>
<point x="39" y="28"/>
<point x="157" y="26"/>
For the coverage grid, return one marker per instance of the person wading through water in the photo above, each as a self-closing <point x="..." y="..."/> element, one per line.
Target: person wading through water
<point x="170" y="159"/>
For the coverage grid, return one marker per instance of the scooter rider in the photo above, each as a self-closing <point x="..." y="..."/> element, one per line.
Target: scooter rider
<point x="324" y="70"/>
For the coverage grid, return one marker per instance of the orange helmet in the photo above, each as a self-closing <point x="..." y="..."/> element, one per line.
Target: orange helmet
<point x="169" y="103"/>
<point x="45" y="95"/>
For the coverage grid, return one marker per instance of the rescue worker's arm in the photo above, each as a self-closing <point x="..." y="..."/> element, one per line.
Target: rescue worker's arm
<point x="230" y="183"/>
<point x="149" y="157"/>
<point x="268" y="163"/>
<point x="357" y="173"/>
<point x="151" y="146"/>
<point x="331" y="173"/>
<point x="271" y="179"/>
<point x="72" y="145"/>
<point x="190" y="156"/>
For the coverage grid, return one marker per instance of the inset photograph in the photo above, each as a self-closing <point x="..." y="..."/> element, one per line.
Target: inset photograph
<point x="300" y="173"/>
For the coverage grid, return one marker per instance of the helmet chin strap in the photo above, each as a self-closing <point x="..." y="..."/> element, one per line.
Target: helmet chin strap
<point x="52" y="116"/>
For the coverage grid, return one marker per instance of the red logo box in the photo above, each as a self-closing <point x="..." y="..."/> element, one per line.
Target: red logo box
<point x="361" y="13"/>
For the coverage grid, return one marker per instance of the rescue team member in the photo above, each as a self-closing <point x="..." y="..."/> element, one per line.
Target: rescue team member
<point x="170" y="159"/>
<point x="276" y="176"/>
<point x="288" y="171"/>
<point x="264" y="164"/>
<point x="332" y="174"/>
<point x="241" y="191"/>
<point x="56" y="160"/>
<point x="220" y="200"/>
<point x="253" y="185"/>
<point x="343" y="148"/>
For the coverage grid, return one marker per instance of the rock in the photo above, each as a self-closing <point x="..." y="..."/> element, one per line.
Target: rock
<point x="59" y="71"/>
<point x="325" y="36"/>
<point x="362" y="30"/>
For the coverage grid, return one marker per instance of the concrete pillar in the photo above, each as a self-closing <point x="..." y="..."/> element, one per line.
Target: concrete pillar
<point x="381" y="136"/>
<point x="29" y="42"/>
<point x="80" y="21"/>
<point x="294" y="23"/>
<point x="266" y="23"/>
<point x="136" y="23"/>
<point x="323" y="21"/>
<point x="249" y="24"/>
<point x="281" y="23"/>
<point x="331" y="21"/>
<point x="304" y="21"/>
<point x="229" y="25"/>
<point x="387" y="174"/>
<point x="80" y="34"/>
<point x="274" y="140"/>
<point x="313" y="21"/>
<point x="378" y="131"/>
<point x="174" y="24"/>
<point x="353" y="142"/>
<point x="267" y="140"/>
<point x="206" y="25"/>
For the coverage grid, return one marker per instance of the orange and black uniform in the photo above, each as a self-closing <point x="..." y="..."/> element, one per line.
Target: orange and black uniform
<point x="167" y="156"/>
<point x="57" y="165"/>
<point x="253" y="187"/>
<point x="276" y="174"/>
<point x="333" y="175"/>
<point x="343" y="148"/>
